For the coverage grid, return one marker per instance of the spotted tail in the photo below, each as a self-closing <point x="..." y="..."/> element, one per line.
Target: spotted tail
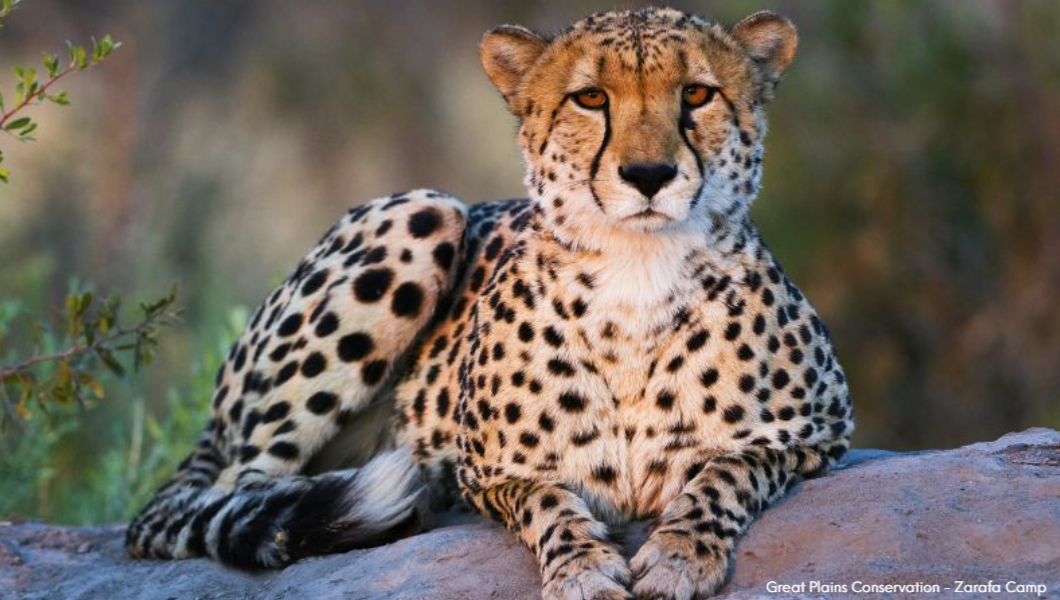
<point x="278" y="521"/>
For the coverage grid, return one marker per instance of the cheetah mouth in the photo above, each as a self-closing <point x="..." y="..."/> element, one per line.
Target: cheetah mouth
<point x="648" y="214"/>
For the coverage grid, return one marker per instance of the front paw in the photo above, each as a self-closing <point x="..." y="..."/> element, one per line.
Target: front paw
<point x="679" y="566"/>
<point x="596" y="575"/>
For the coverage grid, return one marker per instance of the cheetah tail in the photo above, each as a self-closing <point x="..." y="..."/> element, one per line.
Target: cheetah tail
<point x="280" y="521"/>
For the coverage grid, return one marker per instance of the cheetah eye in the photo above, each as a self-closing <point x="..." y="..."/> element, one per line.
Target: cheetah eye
<point x="695" y="96"/>
<point x="592" y="99"/>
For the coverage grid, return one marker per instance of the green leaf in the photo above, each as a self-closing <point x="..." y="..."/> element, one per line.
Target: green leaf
<point x="62" y="98"/>
<point x="89" y="382"/>
<point x="51" y="63"/>
<point x="24" y="134"/>
<point x="17" y="123"/>
<point x="112" y="363"/>
<point x="85" y="301"/>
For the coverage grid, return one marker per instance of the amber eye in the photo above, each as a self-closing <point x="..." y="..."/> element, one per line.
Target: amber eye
<point x="591" y="99"/>
<point x="695" y="96"/>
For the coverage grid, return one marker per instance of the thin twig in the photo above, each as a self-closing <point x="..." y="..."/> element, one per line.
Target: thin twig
<point x="16" y="369"/>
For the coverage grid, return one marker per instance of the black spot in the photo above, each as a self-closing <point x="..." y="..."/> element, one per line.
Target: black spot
<point x="248" y="453"/>
<point x="675" y="364"/>
<point x="697" y="340"/>
<point x="314" y="365"/>
<point x="553" y="337"/>
<point x="560" y="367"/>
<point x="284" y="450"/>
<point x="408" y="300"/>
<point x="786" y="414"/>
<point x="512" y="412"/>
<point x="732" y="331"/>
<point x="709" y="377"/>
<point x="372" y="373"/>
<point x="443" y="255"/>
<point x="287" y="372"/>
<point x="250" y="423"/>
<point x="327" y="325"/>
<point x="605" y="474"/>
<point x="322" y="402"/>
<point x="733" y="414"/>
<point x="665" y="400"/>
<point x="314" y="282"/>
<point x="424" y="223"/>
<point x="478" y="277"/>
<point x="290" y="325"/>
<point x="578" y="307"/>
<point x="279" y="352"/>
<point x="526" y="332"/>
<point x="745" y="352"/>
<point x="241" y="359"/>
<point x="371" y="285"/>
<point x="441" y="403"/>
<point x="710" y="404"/>
<point x="494" y="247"/>
<point x="759" y="326"/>
<point x="528" y="439"/>
<point x="572" y="402"/>
<point x="374" y="256"/>
<point x="235" y="411"/>
<point x="355" y="346"/>
<point x="545" y="422"/>
<point x="780" y="379"/>
<point x="747" y="383"/>
<point x="276" y="412"/>
<point x="548" y="501"/>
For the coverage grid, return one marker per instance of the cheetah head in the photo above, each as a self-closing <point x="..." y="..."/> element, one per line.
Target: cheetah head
<point x="641" y="122"/>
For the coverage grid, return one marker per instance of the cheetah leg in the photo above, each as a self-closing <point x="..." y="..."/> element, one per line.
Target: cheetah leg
<point x="315" y="359"/>
<point x="578" y="561"/>
<point x="333" y="334"/>
<point x="689" y="550"/>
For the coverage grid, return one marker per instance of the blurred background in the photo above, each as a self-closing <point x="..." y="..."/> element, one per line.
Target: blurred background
<point x="911" y="189"/>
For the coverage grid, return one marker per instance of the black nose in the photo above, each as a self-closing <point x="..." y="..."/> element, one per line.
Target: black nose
<point x="649" y="178"/>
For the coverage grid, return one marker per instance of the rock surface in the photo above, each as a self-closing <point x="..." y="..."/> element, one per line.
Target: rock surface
<point x="986" y="512"/>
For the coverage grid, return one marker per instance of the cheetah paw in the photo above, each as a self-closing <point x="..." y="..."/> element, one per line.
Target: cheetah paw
<point x="667" y="567"/>
<point x="596" y="576"/>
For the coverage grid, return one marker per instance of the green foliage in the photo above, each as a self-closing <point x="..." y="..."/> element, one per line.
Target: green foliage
<point x="30" y="91"/>
<point x="91" y="339"/>
<point x="140" y="452"/>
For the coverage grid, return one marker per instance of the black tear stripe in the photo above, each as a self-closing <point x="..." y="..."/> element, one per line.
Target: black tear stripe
<point x="684" y="124"/>
<point x="595" y="167"/>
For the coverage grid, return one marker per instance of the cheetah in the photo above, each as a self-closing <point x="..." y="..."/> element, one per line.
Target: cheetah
<point x="620" y="346"/>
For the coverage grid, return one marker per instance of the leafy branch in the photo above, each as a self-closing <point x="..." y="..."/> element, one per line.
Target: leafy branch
<point x="92" y="338"/>
<point x="30" y="91"/>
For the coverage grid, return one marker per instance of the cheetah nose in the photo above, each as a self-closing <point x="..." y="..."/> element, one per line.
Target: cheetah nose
<point x="649" y="178"/>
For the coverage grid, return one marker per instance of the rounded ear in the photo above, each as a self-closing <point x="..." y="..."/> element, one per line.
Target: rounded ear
<point x="507" y="53"/>
<point x="770" y="40"/>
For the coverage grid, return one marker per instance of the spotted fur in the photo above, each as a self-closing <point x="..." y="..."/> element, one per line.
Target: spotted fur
<point x="620" y="346"/>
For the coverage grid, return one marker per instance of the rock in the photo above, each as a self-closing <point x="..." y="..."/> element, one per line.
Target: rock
<point x="986" y="512"/>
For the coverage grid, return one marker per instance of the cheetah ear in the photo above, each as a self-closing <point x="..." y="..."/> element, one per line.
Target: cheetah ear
<point x="770" y="40"/>
<point x="507" y="53"/>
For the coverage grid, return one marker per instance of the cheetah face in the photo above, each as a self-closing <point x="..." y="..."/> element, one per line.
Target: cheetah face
<point x="644" y="121"/>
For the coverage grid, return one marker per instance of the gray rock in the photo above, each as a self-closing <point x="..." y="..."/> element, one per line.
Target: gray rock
<point x="986" y="512"/>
